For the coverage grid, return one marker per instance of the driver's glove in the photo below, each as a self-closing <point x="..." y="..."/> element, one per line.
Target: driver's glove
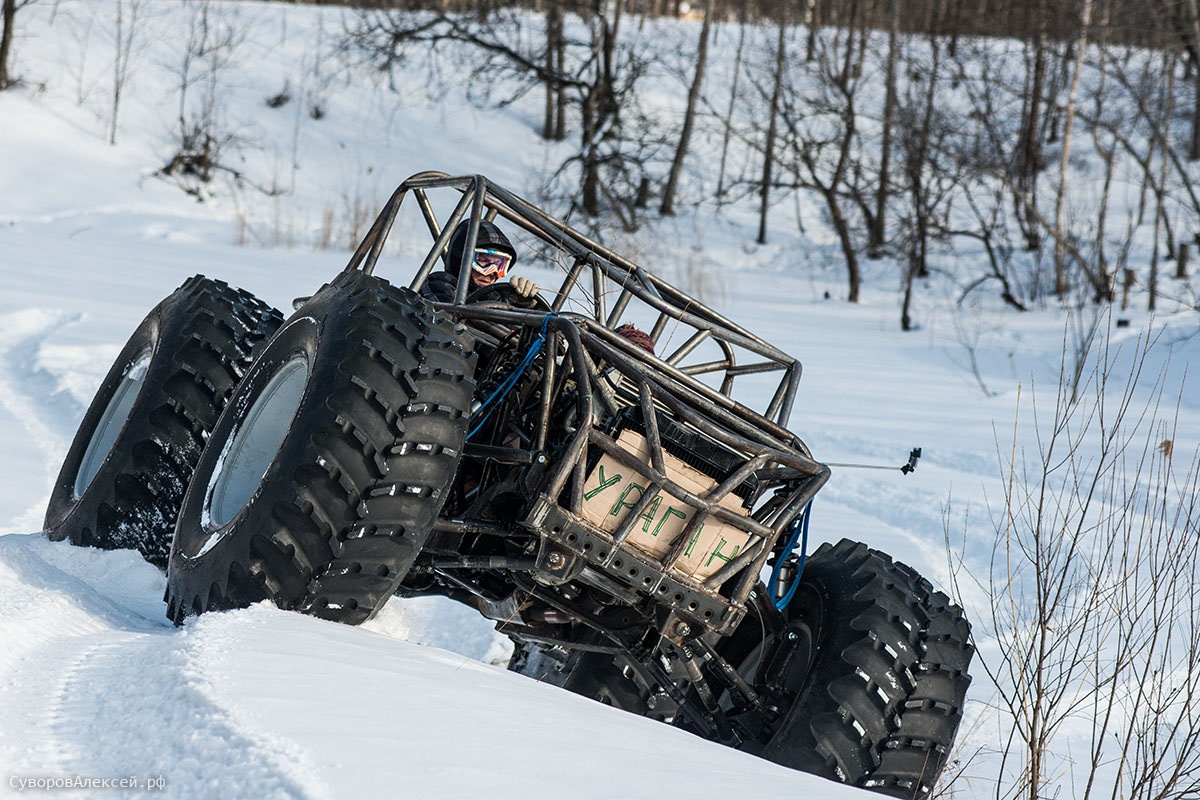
<point x="524" y="287"/>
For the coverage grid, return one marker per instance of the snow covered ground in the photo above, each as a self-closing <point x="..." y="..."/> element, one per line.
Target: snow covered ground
<point x="94" y="681"/>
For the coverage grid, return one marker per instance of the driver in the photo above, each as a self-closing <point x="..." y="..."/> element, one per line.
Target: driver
<point x="494" y="256"/>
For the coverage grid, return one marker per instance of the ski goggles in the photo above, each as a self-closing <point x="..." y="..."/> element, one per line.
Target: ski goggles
<point x="491" y="262"/>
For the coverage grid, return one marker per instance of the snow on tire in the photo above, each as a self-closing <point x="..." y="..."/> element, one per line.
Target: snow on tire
<point x="125" y="473"/>
<point x="325" y="475"/>
<point x="888" y="677"/>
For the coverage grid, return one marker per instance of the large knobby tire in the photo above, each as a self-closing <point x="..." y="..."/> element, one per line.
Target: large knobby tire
<point x="124" y="476"/>
<point x="325" y="475"/>
<point x="887" y="677"/>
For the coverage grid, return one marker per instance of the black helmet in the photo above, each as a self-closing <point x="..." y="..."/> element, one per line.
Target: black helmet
<point x="490" y="238"/>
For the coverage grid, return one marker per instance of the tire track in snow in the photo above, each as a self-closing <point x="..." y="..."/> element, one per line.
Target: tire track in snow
<point x="31" y="395"/>
<point x="139" y="704"/>
<point x="91" y="685"/>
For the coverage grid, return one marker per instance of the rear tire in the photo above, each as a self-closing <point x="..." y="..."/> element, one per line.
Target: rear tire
<point x="873" y="694"/>
<point x="125" y="473"/>
<point x="324" y="478"/>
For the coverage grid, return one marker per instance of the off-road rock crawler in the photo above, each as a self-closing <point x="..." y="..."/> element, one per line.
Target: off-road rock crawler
<point x="631" y="519"/>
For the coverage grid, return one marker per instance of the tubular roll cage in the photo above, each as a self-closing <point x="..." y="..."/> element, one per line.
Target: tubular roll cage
<point x="572" y="548"/>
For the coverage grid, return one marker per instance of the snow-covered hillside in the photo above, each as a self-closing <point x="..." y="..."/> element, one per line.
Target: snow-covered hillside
<point x="95" y="682"/>
<point x="260" y="703"/>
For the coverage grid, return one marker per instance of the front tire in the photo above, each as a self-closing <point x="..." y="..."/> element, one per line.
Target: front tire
<point x="125" y="473"/>
<point x="323" y="479"/>
<point x="887" y="677"/>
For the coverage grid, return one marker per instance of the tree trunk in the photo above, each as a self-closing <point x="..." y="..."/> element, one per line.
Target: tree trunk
<point x="590" y="187"/>
<point x="879" y="224"/>
<point x="1160" y="219"/>
<point x="1029" y="154"/>
<point x="591" y="111"/>
<point x="554" y="37"/>
<point x="906" y="323"/>
<point x="733" y="95"/>
<point x="854" y="279"/>
<point x="810" y="21"/>
<point x="1031" y="133"/>
<point x="600" y="106"/>
<point x="956" y="26"/>
<point x="560" y="91"/>
<point x="1061" y="284"/>
<point x="1104" y="279"/>
<point x="689" y="115"/>
<point x="1194" y="150"/>
<point x="772" y="123"/>
<point x="917" y="158"/>
<point x="118" y="76"/>
<point x="1193" y="33"/>
<point x="9" y="13"/>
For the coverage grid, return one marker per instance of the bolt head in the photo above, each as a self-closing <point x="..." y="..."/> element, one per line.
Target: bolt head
<point x="682" y="629"/>
<point x="555" y="560"/>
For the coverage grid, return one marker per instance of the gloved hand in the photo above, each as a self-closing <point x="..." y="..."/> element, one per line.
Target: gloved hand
<point x="523" y="286"/>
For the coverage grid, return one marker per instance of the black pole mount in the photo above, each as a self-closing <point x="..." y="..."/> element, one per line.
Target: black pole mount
<point x="914" y="456"/>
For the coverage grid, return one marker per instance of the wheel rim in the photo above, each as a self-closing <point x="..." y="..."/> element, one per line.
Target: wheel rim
<point x="256" y="443"/>
<point x="112" y="421"/>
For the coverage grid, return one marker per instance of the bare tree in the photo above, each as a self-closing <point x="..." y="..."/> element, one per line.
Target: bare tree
<point x="206" y="61"/>
<point x="76" y="64"/>
<point x="595" y="74"/>
<point x="870" y="152"/>
<point x="1161" y="221"/>
<point x="989" y="231"/>
<point x="1028" y="156"/>
<point x="1106" y="149"/>
<point x="1184" y="18"/>
<point x="600" y="109"/>
<point x="124" y="33"/>
<point x="555" y="126"/>
<point x="929" y="176"/>
<point x="1060" y="236"/>
<point x="823" y="141"/>
<point x="981" y="159"/>
<point x="879" y="223"/>
<point x="689" y="115"/>
<point x="772" y="126"/>
<point x="727" y="120"/>
<point x="1089" y="592"/>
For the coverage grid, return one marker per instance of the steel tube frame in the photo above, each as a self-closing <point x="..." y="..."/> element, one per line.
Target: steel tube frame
<point x="768" y="446"/>
<point x="632" y="280"/>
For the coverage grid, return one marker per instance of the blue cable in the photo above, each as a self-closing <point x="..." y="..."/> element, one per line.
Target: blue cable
<point x="799" y="530"/>
<point x="510" y="382"/>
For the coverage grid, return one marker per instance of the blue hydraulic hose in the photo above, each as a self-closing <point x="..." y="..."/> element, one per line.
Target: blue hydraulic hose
<point x="799" y="531"/>
<point x="489" y="405"/>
